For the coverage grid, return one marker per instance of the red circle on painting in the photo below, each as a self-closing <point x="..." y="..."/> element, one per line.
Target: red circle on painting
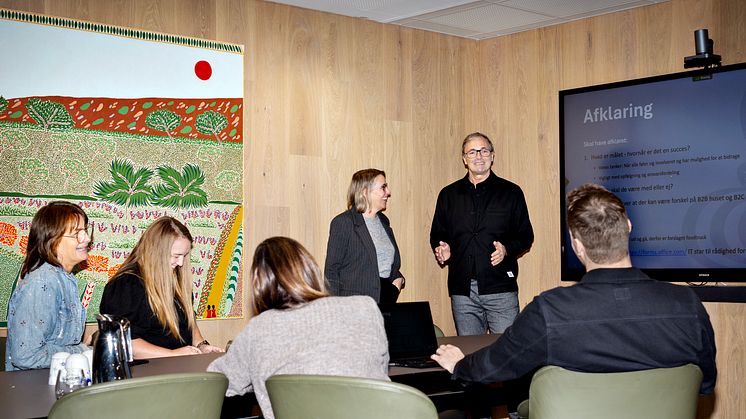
<point x="203" y="70"/>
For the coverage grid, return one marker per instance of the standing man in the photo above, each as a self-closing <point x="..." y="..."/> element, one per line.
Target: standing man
<point x="616" y="319"/>
<point x="480" y="229"/>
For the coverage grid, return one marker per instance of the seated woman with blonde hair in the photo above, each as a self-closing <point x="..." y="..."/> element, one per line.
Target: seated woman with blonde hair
<point x="298" y="329"/>
<point x="153" y="290"/>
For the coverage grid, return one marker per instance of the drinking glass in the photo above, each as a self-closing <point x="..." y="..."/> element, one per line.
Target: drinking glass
<point x="66" y="384"/>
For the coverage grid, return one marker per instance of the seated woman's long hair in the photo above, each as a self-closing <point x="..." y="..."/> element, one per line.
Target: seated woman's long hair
<point x="150" y="261"/>
<point x="284" y="275"/>
<point x="50" y="223"/>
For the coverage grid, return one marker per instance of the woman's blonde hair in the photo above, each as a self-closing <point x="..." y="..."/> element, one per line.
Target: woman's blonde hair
<point x="150" y="260"/>
<point x="361" y="182"/>
<point x="284" y="275"/>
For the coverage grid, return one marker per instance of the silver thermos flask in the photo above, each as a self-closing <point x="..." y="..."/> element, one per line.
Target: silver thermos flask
<point x="112" y="349"/>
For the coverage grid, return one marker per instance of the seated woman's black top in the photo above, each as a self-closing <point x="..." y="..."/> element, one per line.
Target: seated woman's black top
<point x="125" y="296"/>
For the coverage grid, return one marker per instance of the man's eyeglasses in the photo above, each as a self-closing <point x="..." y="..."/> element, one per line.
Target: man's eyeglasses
<point x="472" y="154"/>
<point x="82" y="234"/>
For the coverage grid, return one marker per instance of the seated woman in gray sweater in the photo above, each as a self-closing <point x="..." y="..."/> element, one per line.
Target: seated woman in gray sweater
<point x="298" y="328"/>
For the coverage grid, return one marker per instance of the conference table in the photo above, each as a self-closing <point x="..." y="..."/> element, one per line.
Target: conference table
<point x="26" y="394"/>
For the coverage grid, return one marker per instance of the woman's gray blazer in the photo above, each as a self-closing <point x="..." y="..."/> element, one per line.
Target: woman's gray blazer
<point x="351" y="266"/>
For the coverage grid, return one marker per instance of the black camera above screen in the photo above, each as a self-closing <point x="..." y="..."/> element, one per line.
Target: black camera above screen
<point x="703" y="48"/>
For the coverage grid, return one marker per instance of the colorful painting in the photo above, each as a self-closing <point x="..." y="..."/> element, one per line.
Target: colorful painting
<point x="130" y="125"/>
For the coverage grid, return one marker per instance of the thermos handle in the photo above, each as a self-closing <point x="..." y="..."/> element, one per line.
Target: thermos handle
<point x="127" y="342"/>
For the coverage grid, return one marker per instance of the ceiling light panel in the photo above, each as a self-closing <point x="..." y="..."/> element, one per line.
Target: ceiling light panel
<point x="567" y="8"/>
<point x="488" y="18"/>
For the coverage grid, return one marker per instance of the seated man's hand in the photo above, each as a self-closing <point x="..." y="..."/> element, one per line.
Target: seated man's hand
<point x="447" y="356"/>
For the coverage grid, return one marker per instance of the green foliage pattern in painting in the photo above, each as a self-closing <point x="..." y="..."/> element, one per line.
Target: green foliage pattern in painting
<point x="3" y="104"/>
<point x="231" y="284"/>
<point x="163" y="120"/>
<point x="33" y="169"/>
<point x="228" y="180"/>
<point x="127" y="187"/>
<point x="201" y="223"/>
<point x="209" y="153"/>
<point x="67" y="142"/>
<point x="101" y="145"/>
<point x="49" y="114"/>
<point x="10" y="266"/>
<point x="211" y="123"/>
<point x="74" y="170"/>
<point x="180" y="189"/>
<point x="13" y="139"/>
<point x="16" y="211"/>
<point x="123" y="243"/>
<point x="96" y="213"/>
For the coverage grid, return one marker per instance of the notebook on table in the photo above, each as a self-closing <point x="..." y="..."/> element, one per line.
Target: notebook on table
<point x="411" y="334"/>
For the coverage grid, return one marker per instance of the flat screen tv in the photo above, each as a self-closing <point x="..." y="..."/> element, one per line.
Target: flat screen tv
<point x="673" y="148"/>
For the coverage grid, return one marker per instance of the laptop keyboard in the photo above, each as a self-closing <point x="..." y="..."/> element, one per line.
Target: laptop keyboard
<point x="414" y="363"/>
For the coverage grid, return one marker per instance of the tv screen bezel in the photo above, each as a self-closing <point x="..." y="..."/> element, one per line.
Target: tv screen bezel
<point x="688" y="275"/>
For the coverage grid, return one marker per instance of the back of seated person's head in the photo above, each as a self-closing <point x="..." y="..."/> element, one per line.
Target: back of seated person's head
<point x="284" y="275"/>
<point x="597" y="218"/>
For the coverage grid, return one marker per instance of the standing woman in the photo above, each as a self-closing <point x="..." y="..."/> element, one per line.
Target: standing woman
<point x="362" y="257"/>
<point x="153" y="290"/>
<point x="45" y="314"/>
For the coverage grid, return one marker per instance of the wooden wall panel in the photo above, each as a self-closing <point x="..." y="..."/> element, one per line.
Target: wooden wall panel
<point x="303" y="95"/>
<point x="327" y="95"/>
<point x="369" y="95"/>
<point x="631" y="44"/>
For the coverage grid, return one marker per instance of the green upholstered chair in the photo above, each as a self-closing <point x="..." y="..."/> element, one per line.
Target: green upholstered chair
<point x="661" y="393"/>
<point x="332" y="397"/>
<point x="188" y="395"/>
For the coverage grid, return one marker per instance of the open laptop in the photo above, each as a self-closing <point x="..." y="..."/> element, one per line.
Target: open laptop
<point x="411" y="335"/>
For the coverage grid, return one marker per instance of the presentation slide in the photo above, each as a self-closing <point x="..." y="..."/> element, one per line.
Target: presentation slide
<point x="675" y="152"/>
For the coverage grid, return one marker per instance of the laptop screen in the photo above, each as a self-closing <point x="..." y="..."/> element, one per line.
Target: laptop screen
<point x="409" y="329"/>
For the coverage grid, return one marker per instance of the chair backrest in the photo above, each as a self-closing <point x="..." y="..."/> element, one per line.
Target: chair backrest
<point x="662" y="393"/>
<point x="187" y="395"/>
<point x="333" y="397"/>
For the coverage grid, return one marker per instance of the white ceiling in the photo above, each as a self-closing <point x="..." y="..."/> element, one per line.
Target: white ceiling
<point x="470" y="19"/>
